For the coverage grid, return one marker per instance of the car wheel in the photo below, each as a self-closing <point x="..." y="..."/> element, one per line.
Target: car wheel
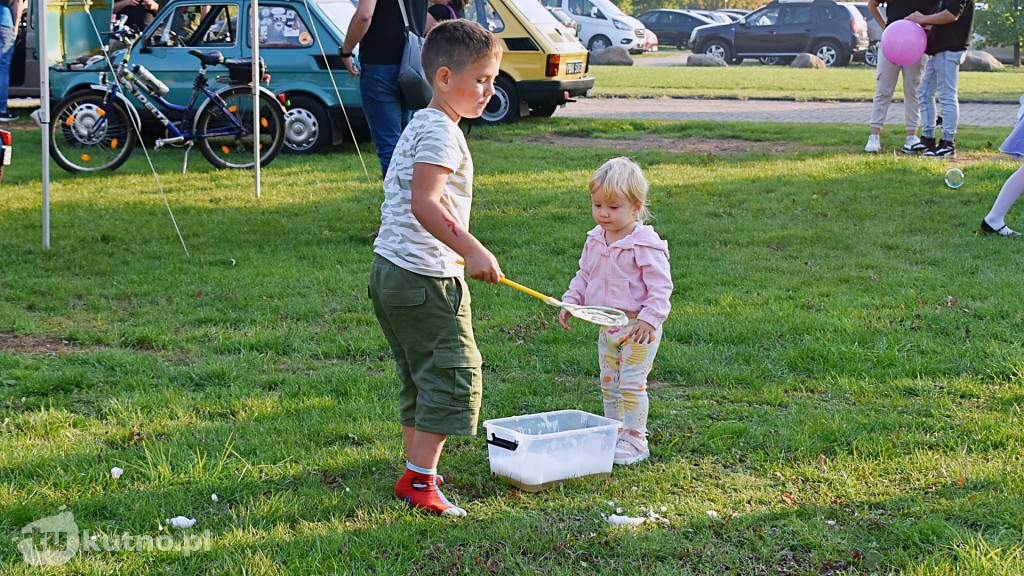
<point x="718" y="48"/>
<point x="829" y="53"/>
<point x="871" y="55"/>
<point x="770" y="60"/>
<point x="307" y="127"/>
<point x="599" y="43"/>
<point x="504" y="105"/>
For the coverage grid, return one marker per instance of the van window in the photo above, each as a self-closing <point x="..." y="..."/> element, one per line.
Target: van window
<point x="197" y="25"/>
<point x="282" y="27"/>
<point x="585" y="8"/>
<point x="483" y="12"/>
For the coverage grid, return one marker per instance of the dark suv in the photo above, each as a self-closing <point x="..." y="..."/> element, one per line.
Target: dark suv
<point x="832" y="31"/>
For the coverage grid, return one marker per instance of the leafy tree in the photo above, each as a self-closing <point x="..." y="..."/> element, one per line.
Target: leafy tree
<point x="1001" y="22"/>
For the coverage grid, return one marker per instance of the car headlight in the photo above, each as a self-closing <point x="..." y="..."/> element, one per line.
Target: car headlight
<point x="621" y="25"/>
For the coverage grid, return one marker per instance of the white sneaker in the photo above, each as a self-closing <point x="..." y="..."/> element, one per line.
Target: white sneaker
<point x="912" y="146"/>
<point x="874" y="143"/>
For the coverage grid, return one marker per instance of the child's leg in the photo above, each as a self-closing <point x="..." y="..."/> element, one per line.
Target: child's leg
<point x="608" y="356"/>
<point x="1011" y="191"/>
<point x="624" y="369"/>
<point x="636" y="363"/>
<point x="418" y="486"/>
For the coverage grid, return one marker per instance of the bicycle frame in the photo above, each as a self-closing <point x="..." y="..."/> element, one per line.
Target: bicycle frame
<point x="126" y="78"/>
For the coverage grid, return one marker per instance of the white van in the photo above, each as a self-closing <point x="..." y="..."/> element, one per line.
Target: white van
<point x="602" y="24"/>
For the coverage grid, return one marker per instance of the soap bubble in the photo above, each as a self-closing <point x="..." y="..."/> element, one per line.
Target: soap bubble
<point x="955" y="178"/>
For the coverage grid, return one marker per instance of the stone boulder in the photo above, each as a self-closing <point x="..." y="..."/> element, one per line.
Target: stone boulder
<point x="979" y="61"/>
<point x="805" y="60"/>
<point x="705" y="60"/>
<point x="611" y="56"/>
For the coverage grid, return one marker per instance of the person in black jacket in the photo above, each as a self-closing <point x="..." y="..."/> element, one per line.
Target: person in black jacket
<point x="379" y="30"/>
<point x="949" y="35"/>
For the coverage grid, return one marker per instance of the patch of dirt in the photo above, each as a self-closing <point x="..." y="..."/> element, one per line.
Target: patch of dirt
<point x="708" y="146"/>
<point x="33" y="344"/>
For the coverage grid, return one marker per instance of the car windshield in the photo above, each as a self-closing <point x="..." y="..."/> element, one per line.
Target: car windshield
<point x="607" y="7"/>
<point x="534" y="11"/>
<point x="338" y="11"/>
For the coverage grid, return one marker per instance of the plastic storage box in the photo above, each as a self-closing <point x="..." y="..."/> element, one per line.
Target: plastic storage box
<point x="536" y="451"/>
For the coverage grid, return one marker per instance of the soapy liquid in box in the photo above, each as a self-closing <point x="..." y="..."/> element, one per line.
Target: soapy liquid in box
<point x="536" y="451"/>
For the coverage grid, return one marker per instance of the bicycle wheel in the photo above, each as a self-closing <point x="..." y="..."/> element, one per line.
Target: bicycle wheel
<point x="88" y="133"/>
<point x="225" y="135"/>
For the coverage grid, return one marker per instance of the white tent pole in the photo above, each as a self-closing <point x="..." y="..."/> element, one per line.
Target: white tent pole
<point x="256" y="78"/>
<point x="44" y="112"/>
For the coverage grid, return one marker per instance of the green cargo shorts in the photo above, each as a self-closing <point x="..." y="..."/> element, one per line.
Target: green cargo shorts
<point x="428" y="323"/>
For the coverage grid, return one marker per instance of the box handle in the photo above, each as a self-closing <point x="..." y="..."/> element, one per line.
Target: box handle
<point x="509" y="445"/>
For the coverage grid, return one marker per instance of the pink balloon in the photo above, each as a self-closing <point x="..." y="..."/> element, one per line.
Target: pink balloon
<point x="903" y="42"/>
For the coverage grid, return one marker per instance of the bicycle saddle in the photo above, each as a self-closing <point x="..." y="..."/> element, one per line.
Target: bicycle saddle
<point x="208" y="58"/>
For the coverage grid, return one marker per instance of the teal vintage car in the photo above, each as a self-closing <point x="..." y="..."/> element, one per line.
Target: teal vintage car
<point x="299" y="41"/>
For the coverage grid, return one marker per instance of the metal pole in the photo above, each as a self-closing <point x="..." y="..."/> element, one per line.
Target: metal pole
<point x="256" y="79"/>
<point x="44" y="112"/>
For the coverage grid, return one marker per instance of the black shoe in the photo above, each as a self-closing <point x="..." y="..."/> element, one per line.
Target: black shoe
<point x="945" y="149"/>
<point x="927" y="143"/>
<point x="1004" y="231"/>
<point x="8" y="117"/>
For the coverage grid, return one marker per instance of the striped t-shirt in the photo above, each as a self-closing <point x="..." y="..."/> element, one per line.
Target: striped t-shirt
<point x="431" y="138"/>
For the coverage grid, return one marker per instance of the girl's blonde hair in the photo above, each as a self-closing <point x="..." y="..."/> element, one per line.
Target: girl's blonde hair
<point x="623" y="178"/>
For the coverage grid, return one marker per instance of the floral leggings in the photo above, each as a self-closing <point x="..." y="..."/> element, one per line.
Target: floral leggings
<point x="624" y="370"/>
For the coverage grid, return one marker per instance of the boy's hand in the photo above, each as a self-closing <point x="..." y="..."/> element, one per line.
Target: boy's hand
<point x="563" y="317"/>
<point x="642" y="333"/>
<point x="482" y="265"/>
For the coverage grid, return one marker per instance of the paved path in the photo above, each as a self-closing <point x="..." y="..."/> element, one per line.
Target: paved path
<point x="971" y="114"/>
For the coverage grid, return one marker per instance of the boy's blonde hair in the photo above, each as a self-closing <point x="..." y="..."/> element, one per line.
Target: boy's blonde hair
<point x="456" y="44"/>
<point x="621" y="177"/>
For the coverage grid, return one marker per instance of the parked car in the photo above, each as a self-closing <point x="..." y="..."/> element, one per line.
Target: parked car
<point x="714" y="16"/>
<point x="544" y="65"/>
<point x="650" y="41"/>
<point x="830" y="30"/>
<point x="602" y="24"/>
<point x="673" y="27"/>
<point x="299" y="41"/>
<point x="870" y="56"/>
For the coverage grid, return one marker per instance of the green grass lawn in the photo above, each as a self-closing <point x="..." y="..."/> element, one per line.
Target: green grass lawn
<point x="839" y="389"/>
<point x="752" y="80"/>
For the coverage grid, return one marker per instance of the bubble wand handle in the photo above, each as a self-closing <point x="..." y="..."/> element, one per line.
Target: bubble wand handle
<point x="521" y="288"/>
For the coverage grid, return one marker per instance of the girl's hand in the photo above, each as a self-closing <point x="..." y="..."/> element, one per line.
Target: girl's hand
<point x="642" y="333"/>
<point x="563" y="317"/>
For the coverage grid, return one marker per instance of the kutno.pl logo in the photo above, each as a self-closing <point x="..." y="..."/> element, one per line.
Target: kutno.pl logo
<point x="54" y="541"/>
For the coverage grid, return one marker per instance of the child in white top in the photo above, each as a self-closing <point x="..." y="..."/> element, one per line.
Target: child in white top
<point x="625" y="265"/>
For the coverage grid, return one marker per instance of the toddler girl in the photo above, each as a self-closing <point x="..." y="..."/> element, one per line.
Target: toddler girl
<point x="624" y="266"/>
<point x="993" y="223"/>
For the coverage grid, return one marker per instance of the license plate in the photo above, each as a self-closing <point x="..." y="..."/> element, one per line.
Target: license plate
<point x="574" y="67"/>
<point x="7" y="156"/>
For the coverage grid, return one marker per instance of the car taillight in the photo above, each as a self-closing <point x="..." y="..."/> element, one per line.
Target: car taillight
<point x="855" y="26"/>
<point x="553" y="61"/>
<point x="5" y="137"/>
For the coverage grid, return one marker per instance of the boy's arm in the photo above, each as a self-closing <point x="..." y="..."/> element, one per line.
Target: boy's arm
<point x="428" y="182"/>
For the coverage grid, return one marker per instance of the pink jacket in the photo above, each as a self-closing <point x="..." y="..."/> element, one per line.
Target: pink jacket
<point x="632" y="275"/>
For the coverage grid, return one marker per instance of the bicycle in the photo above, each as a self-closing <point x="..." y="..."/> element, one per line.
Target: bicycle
<point x="97" y="129"/>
